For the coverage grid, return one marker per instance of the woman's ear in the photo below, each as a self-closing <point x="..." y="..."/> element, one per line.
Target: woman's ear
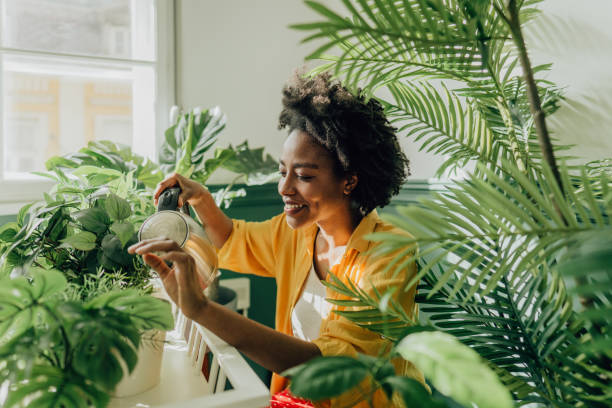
<point x="350" y="184"/>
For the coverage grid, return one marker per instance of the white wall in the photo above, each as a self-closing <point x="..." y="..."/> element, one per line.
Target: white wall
<point x="238" y="53"/>
<point x="576" y="36"/>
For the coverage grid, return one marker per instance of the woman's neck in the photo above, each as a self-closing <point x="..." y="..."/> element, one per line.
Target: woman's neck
<point x="338" y="230"/>
<point x="330" y="240"/>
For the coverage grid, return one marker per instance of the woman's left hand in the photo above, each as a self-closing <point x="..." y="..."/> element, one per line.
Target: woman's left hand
<point x="181" y="280"/>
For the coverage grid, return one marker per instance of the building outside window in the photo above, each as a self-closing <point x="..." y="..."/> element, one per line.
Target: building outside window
<point x="75" y="71"/>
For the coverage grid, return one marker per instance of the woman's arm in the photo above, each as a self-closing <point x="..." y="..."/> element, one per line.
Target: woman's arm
<point x="218" y="226"/>
<point x="273" y="350"/>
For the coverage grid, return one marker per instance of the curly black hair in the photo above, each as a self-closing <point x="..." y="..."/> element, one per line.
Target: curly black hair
<point x="357" y="134"/>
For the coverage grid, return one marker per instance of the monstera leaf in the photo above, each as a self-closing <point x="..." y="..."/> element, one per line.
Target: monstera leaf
<point x="59" y="353"/>
<point x="22" y="303"/>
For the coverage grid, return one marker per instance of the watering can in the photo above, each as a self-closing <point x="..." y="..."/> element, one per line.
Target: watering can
<point x="169" y="222"/>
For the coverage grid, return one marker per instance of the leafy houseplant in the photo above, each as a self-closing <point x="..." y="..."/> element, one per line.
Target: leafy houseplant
<point x="193" y="134"/>
<point x="515" y="259"/>
<point x="57" y="352"/>
<point x="97" y="302"/>
<point x="79" y="233"/>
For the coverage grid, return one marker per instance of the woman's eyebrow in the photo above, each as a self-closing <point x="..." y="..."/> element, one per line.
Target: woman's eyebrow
<point x="306" y="164"/>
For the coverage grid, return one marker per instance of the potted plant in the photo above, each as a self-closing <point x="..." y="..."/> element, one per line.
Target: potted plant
<point x="56" y="351"/>
<point x="515" y="258"/>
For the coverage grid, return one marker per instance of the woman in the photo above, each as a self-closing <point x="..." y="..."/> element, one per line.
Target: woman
<point x="340" y="161"/>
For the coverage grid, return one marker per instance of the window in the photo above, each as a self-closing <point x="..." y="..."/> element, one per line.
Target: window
<point x="74" y="71"/>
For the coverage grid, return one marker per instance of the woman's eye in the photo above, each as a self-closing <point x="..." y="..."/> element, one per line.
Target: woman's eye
<point x="305" y="178"/>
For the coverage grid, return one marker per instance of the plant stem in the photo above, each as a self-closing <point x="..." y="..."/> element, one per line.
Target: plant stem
<point x="535" y="104"/>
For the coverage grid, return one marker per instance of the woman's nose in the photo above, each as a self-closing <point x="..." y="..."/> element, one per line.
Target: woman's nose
<point x="285" y="185"/>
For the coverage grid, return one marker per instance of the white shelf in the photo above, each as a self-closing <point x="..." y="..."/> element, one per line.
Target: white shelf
<point x="182" y="383"/>
<point x="179" y="381"/>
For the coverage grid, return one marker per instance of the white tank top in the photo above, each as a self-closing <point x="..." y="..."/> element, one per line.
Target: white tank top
<point x="310" y="309"/>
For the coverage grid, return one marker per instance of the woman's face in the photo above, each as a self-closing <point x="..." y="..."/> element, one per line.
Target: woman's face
<point x="310" y="189"/>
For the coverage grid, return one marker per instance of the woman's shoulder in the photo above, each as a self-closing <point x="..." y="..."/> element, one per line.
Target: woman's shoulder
<point x="381" y="225"/>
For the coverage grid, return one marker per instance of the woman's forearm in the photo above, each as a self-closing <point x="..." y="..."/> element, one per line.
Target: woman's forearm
<point x="269" y="348"/>
<point x="218" y="226"/>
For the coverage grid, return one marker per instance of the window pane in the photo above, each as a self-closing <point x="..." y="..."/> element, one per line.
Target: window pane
<point x="51" y="110"/>
<point x="111" y="28"/>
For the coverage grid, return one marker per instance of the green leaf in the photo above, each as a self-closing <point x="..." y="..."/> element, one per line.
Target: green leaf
<point x="8" y="231"/>
<point x="123" y="230"/>
<point x="95" y="220"/>
<point x="101" y="337"/>
<point x="220" y="157"/>
<point x="454" y="369"/>
<point x="50" y="387"/>
<point x="82" y="240"/>
<point x="257" y="167"/>
<point x="46" y="283"/>
<point x="146" y="312"/>
<point x="113" y="250"/>
<point x="117" y="207"/>
<point x="326" y="377"/>
<point x="413" y="392"/>
<point x="19" y="322"/>
<point x="95" y="170"/>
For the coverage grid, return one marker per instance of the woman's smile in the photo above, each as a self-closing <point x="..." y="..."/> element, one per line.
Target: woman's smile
<point x="293" y="209"/>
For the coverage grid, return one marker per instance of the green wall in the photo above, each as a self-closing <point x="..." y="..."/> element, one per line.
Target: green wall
<point x="261" y="203"/>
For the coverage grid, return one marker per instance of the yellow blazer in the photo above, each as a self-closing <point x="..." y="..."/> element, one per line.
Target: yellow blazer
<point x="272" y="249"/>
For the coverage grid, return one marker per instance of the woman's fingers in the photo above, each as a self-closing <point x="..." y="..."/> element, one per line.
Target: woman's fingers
<point x="171" y="181"/>
<point x="157" y="264"/>
<point x="154" y="245"/>
<point x="185" y="265"/>
<point x="190" y="296"/>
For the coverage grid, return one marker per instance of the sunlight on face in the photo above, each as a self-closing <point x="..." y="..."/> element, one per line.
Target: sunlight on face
<point x="310" y="189"/>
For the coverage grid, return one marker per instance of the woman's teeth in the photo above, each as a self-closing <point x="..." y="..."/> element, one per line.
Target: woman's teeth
<point x="293" y="206"/>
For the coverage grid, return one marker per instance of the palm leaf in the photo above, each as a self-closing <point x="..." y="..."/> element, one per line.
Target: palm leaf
<point x="527" y="332"/>
<point x="379" y="313"/>
<point x="500" y="223"/>
<point x="403" y="44"/>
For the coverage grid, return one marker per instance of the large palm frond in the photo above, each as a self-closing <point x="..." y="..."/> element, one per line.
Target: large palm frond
<point x="404" y="44"/>
<point x="442" y="123"/>
<point x="499" y="226"/>
<point x="387" y="39"/>
<point x="527" y="331"/>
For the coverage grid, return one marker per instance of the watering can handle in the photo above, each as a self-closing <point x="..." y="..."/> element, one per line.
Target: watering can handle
<point x="168" y="200"/>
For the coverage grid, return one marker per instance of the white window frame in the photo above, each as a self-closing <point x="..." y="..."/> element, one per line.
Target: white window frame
<point x="16" y="193"/>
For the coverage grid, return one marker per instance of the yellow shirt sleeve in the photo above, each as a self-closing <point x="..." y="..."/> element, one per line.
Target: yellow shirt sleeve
<point x="252" y="247"/>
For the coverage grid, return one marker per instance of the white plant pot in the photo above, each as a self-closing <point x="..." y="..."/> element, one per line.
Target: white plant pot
<point x="147" y="372"/>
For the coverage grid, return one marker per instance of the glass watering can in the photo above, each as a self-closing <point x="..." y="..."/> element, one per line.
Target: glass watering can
<point x="178" y="226"/>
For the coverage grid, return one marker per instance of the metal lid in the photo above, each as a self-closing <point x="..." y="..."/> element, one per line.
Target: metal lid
<point x="166" y="224"/>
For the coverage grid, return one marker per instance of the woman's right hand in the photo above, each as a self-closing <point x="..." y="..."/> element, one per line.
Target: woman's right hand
<point x="192" y="192"/>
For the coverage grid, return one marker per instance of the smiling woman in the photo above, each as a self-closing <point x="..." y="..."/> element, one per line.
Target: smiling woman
<point x="340" y="161"/>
